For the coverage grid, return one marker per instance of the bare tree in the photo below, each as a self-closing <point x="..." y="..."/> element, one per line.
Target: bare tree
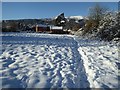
<point x="97" y="12"/>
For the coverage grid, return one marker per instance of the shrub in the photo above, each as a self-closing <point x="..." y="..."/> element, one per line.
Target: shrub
<point x="109" y="27"/>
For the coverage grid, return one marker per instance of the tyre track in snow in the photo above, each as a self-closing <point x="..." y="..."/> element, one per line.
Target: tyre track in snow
<point x="99" y="66"/>
<point x="82" y="81"/>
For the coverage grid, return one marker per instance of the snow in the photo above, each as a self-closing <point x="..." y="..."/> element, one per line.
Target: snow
<point x="100" y="61"/>
<point x="62" y="21"/>
<point x="55" y="27"/>
<point x="34" y="60"/>
<point x="100" y="73"/>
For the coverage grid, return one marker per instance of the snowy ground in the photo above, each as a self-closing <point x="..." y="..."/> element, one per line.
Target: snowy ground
<point x="32" y="60"/>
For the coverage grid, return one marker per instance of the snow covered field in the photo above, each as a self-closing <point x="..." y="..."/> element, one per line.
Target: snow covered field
<point x="33" y="60"/>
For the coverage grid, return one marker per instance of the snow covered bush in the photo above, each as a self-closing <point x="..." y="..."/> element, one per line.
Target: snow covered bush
<point x="108" y="28"/>
<point x="102" y="24"/>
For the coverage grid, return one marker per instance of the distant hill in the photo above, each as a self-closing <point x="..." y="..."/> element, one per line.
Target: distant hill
<point x="76" y="17"/>
<point x="70" y="23"/>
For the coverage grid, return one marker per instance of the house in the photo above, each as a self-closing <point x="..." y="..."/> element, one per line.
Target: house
<point x="42" y="28"/>
<point x="49" y="29"/>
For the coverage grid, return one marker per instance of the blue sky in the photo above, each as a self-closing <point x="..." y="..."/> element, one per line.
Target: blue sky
<point x="60" y="1"/>
<point x="18" y="10"/>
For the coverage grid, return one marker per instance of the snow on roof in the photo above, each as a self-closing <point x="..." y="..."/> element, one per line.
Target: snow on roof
<point x="76" y="17"/>
<point x="55" y="27"/>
